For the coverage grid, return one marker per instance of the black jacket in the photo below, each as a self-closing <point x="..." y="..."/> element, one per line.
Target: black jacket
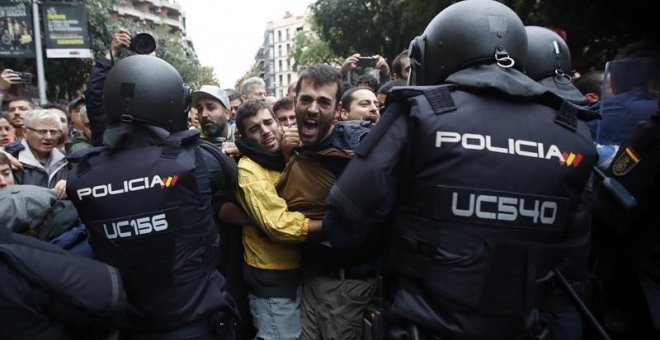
<point x="94" y="99"/>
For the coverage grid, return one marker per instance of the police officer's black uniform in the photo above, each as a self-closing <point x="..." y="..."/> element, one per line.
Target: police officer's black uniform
<point x="549" y="64"/>
<point x="627" y="242"/>
<point x="483" y="179"/>
<point x="147" y="200"/>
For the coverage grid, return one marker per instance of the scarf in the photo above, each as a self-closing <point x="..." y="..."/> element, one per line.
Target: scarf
<point x="271" y="161"/>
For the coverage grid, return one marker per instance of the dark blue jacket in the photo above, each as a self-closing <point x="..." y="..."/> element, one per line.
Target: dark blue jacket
<point x="48" y="293"/>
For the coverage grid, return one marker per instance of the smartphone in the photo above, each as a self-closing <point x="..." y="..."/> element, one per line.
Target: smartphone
<point x="26" y="77"/>
<point x="366" y="62"/>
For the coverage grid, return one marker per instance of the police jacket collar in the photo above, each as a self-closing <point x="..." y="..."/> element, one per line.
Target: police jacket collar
<point x="568" y="91"/>
<point x="120" y="134"/>
<point x="491" y="77"/>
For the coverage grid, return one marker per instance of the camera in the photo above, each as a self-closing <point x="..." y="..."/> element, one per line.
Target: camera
<point x="26" y="77"/>
<point x="366" y="62"/>
<point x="142" y="43"/>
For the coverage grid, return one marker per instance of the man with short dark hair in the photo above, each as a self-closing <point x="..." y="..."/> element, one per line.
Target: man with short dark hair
<point x="272" y="257"/>
<point x="235" y="100"/>
<point x="283" y="109"/>
<point x="359" y="103"/>
<point x="17" y="108"/>
<point x="401" y="66"/>
<point x="335" y="282"/>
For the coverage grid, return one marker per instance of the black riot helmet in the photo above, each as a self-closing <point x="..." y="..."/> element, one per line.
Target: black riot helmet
<point x="547" y="55"/>
<point x="148" y="90"/>
<point x="464" y="34"/>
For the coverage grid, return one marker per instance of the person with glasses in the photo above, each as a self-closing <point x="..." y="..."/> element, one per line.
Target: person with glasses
<point x="43" y="164"/>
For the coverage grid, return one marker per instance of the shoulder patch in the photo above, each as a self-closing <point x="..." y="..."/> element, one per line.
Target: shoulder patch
<point x="625" y="162"/>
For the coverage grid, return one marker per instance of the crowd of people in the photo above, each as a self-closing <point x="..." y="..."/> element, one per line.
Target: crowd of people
<point x="474" y="188"/>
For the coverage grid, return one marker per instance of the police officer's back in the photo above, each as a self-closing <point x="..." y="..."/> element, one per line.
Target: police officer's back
<point x="147" y="200"/>
<point x="549" y="64"/>
<point x="482" y="178"/>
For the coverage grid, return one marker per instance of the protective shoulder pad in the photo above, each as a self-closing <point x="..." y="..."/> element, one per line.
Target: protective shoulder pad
<point x="172" y="144"/>
<point x="88" y="152"/>
<point x="398" y="102"/>
<point x="567" y="116"/>
<point x="81" y="158"/>
<point x="438" y="96"/>
<point x="567" y="113"/>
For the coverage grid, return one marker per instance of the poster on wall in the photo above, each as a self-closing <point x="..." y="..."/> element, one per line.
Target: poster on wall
<point x="16" y="33"/>
<point x="66" y="30"/>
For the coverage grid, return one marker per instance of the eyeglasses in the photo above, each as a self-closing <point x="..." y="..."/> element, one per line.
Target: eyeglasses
<point x="43" y="132"/>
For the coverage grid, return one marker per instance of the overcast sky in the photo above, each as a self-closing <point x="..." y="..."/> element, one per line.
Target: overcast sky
<point x="227" y="34"/>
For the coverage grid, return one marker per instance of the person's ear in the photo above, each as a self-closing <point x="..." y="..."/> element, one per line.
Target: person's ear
<point x="341" y="114"/>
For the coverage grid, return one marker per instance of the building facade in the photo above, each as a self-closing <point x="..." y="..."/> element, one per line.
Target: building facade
<point x="273" y="61"/>
<point x="148" y="13"/>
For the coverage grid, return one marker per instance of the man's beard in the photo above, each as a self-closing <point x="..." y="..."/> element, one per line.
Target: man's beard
<point x="214" y="130"/>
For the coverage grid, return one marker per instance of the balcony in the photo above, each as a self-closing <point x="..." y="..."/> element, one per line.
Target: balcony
<point x="178" y="24"/>
<point x="130" y="12"/>
<point x="172" y="6"/>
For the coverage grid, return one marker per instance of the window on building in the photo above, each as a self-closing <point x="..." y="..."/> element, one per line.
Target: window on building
<point x="279" y="62"/>
<point x="288" y="36"/>
<point x="288" y="48"/>
<point x="279" y="50"/>
<point x="281" y="80"/>
<point x="288" y="64"/>
<point x="288" y="78"/>
<point x="279" y="35"/>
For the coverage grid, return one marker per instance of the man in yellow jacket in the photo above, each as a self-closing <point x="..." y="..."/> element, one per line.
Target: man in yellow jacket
<point x="272" y="255"/>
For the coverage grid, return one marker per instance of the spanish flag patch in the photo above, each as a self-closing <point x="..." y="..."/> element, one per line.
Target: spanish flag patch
<point x="625" y="162"/>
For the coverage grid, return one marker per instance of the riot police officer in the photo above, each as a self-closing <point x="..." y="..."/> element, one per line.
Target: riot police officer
<point x="149" y="197"/>
<point x="626" y="240"/>
<point x="482" y="178"/>
<point x="549" y="63"/>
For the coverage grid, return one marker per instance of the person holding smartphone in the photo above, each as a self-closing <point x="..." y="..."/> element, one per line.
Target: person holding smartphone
<point x="358" y="61"/>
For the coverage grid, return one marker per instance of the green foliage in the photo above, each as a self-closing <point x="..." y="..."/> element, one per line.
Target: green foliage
<point x="307" y="50"/>
<point x="595" y="29"/>
<point x="370" y="27"/>
<point x="66" y="78"/>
